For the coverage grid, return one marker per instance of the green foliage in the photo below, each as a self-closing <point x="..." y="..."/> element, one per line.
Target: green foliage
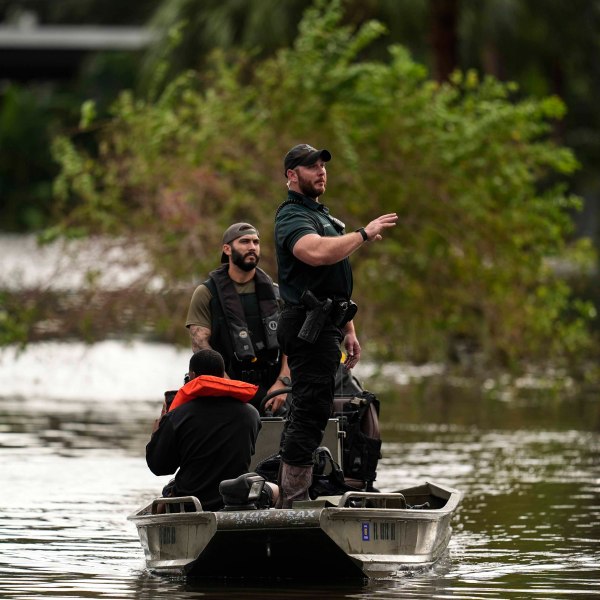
<point x="470" y="169"/>
<point x="26" y="169"/>
<point x="15" y="320"/>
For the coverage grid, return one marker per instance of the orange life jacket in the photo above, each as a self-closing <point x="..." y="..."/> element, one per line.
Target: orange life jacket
<point x="209" y="385"/>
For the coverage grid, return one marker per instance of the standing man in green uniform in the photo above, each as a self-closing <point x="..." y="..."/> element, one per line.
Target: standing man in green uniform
<point x="235" y="312"/>
<point x="314" y="272"/>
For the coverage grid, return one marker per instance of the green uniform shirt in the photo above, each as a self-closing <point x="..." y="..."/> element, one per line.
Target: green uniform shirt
<point x="293" y="221"/>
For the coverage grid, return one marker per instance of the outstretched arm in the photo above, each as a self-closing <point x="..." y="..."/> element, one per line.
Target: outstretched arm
<point x="316" y="250"/>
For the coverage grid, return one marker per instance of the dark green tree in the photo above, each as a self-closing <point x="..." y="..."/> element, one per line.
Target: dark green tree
<point x="461" y="163"/>
<point x="549" y="49"/>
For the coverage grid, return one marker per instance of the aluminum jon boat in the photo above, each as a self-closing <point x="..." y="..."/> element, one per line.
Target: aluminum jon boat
<point x="356" y="535"/>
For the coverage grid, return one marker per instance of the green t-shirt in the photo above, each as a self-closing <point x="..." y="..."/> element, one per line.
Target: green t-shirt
<point x="199" y="309"/>
<point x="294" y="220"/>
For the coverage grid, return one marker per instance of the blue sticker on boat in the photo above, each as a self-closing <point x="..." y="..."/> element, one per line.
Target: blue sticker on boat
<point x="366" y="534"/>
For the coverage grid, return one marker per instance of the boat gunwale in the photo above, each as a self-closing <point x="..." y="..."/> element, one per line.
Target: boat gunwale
<point x="306" y="515"/>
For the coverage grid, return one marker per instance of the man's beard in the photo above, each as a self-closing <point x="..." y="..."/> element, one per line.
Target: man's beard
<point x="237" y="258"/>
<point x="307" y="188"/>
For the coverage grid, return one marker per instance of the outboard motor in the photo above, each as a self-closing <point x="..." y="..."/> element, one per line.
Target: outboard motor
<point x="246" y="492"/>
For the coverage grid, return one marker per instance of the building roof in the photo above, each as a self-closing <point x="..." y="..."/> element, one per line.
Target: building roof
<point x="74" y="37"/>
<point x="50" y="52"/>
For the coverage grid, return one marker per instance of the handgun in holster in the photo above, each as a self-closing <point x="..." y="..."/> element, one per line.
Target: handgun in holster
<point x="342" y="312"/>
<point x="316" y="315"/>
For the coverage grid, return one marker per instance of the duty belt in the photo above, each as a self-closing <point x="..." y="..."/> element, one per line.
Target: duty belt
<point x="338" y="305"/>
<point x="318" y="312"/>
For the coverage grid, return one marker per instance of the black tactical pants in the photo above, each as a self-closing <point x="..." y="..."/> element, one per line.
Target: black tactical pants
<point x="312" y="368"/>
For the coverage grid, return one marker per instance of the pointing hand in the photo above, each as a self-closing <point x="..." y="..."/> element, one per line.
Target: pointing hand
<point x="376" y="227"/>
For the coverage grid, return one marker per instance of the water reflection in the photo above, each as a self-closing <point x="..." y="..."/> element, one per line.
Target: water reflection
<point x="68" y="425"/>
<point x="528" y="525"/>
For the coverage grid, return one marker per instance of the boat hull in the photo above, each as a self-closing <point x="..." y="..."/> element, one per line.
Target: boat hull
<point x="357" y="535"/>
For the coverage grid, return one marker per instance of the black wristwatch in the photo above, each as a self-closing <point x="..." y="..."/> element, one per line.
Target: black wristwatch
<point x="363" y="233"/>
<point x="285" y="380"/>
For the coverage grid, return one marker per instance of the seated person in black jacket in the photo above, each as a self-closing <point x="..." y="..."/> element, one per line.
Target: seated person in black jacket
<point x="208" y="433"/>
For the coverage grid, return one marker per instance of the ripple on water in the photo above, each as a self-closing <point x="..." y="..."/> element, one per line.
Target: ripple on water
<point x="528" y="525"/>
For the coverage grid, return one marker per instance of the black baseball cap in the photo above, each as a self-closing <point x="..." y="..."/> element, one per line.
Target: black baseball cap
<point x="235" y="231"/>
<point x="304" y="155"/>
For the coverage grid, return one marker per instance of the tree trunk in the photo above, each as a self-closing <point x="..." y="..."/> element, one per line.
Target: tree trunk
<point x="444" y="37"/>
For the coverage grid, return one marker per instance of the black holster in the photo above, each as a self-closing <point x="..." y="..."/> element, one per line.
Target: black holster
<point x="316" y="316"/>
<point x="342" y="311"/>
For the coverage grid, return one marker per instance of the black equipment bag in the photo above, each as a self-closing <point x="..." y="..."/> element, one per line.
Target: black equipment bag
<point x="359" y="419"/>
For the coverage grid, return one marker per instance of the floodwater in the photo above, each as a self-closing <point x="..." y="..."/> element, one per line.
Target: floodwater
<point x="74" y="423"/>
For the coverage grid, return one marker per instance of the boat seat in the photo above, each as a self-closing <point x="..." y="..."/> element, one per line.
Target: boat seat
<point x="246" y="492"/>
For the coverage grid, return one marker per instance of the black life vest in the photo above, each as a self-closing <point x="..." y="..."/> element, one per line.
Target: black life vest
<point x="244" y="327"/>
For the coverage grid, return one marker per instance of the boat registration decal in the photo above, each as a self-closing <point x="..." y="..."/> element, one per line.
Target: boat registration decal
<point x="378" y="531"/>
<point x="167" y="535"/>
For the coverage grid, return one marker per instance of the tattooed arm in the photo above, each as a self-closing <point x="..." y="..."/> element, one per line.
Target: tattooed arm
<point x="199" y="336"/>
